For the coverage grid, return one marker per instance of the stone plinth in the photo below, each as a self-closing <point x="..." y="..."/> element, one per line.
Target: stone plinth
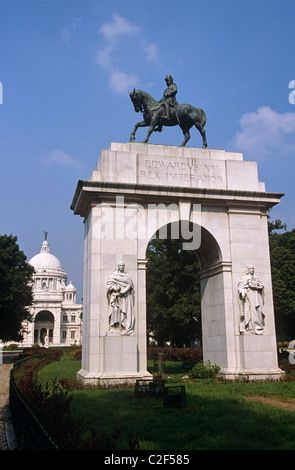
<point x="211" y="198"/>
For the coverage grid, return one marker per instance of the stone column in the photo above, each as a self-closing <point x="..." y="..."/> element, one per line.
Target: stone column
<point x="111" y="354"/>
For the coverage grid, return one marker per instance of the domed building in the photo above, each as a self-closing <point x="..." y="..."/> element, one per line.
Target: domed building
<point x="57" y="318"/>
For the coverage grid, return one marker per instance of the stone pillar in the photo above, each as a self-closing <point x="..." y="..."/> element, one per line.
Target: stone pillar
<point x="56" y="331"/>
<point x="110" y="356"/>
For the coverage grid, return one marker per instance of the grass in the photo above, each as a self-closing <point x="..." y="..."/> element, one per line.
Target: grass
<point x="218" y="416"/>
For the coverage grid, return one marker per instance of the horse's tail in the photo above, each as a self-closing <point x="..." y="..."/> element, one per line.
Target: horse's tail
<point x="203" y="118"/>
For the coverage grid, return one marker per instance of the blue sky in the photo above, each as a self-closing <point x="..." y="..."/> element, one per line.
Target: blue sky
<point x="66" y="67"/>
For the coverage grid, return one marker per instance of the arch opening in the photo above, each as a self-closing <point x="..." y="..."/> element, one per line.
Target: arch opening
<point x="44" y="316"/>
<point x="211" y="307"/>
<point x="174" y="286"/>
<point x="44" y="327"/>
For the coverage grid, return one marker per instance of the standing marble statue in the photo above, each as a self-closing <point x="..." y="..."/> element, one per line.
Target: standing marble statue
<point x="251" y="296"/>
<point x="120" y="295"/>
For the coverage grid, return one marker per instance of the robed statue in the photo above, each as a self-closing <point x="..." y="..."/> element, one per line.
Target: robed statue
<point x="251" y="297"/>
<point x="167" y="112"/>
<point x="120" y="295"/>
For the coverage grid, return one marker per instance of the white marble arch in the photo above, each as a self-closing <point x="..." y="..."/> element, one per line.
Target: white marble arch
<point x="212" y="194"/>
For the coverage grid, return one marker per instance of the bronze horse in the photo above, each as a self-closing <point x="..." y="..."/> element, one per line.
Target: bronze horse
<point x="184" y="115"/>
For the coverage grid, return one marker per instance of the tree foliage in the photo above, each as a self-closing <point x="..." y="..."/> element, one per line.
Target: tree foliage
<point x="282" y="255"/>
<point x="173" y="288"/>
<point x="173" y="293"/>
<point x="15" y="289"/>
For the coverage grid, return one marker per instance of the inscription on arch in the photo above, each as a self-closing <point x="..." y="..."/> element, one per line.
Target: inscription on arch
<point x="181" y="172"/>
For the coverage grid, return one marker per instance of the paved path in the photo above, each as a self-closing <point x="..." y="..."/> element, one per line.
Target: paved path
<point x="7" y="438"/>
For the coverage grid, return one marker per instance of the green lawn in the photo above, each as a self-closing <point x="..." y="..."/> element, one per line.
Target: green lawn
<point x="218" y="415"/>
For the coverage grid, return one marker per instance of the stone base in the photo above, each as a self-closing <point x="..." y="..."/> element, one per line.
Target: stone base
<point x="107" y="379"/>
<point x="119" y="364"/>
<point x="252" y="375"/>
<point x="120" y="354"/>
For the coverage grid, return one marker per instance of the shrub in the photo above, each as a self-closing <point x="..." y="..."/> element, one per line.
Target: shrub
<point x="287" y="367"/>
<point x="53" y="399"/>
<point x="176" y="354"/>
<point x="48" y="354"/>
<point x="11" y="347"/>
<point x="77" y="354"/>
<point x="205" y="371"/>
<point x="283" y="344"/>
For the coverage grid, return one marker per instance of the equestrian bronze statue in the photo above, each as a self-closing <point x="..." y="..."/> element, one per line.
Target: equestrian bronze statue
<point x="167" y="112"/>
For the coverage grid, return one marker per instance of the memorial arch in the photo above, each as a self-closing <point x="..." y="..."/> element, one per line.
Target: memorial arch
<point x="220" y="206"/>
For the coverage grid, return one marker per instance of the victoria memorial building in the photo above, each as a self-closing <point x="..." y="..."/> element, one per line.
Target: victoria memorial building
<point x="57" y="318"/>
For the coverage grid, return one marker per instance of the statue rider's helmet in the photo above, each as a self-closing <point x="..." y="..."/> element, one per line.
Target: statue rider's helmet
<point x="169" y="78"/>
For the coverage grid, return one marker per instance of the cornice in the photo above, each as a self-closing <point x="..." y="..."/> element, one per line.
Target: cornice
<point x="89" y="193"/>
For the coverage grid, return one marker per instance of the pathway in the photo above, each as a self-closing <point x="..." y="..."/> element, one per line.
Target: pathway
<point x="7" y="438"/>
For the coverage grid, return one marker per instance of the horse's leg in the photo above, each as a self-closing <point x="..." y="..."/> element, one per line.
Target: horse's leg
<point x="203" y="134"/>
<point x="150" y="131"/>
<point x="187" y="137"/>
<point x="137" y="125"/>
<point x="153" y="124"/>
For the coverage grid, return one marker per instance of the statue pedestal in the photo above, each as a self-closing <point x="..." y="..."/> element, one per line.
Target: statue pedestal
<point x="214" y="201"/>
<point x="120" y="354"/>
<point x="120" y="362"/>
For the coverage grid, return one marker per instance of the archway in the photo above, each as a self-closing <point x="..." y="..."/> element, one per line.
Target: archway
<point x="213" y="271"/>
<point x="44" y="327"/>
<point x="172" y="294"/>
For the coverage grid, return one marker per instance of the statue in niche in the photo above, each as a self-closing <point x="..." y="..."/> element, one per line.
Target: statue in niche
<point x="120" y="295"/>
<point x="251" y="296"/>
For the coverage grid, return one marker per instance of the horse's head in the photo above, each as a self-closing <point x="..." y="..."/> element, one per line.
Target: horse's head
<point x="136" y="100"/>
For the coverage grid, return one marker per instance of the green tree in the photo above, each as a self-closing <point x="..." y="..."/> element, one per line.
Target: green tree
<point x="282" y="255"/>
<point x="173" y="293"/>
<point x="15" y="289"/>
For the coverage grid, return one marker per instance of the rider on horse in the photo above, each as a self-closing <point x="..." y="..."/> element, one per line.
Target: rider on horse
<point x="169" y="96"/>
<point x="185" y="115"/>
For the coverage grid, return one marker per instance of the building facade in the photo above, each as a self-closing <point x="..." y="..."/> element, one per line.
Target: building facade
<point x="57" y="318"/>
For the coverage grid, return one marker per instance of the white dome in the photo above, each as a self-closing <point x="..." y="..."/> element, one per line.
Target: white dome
<point x="45" y="260"/>
<point x="70" y="287"/>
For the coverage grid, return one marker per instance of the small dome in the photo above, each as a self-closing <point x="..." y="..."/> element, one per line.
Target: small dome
<point x="70" y="287"/>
